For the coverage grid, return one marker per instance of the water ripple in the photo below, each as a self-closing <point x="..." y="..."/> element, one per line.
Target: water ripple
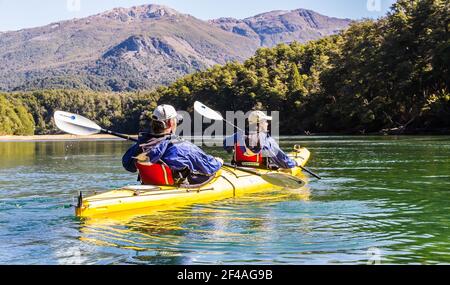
<point x="385" y="192"/>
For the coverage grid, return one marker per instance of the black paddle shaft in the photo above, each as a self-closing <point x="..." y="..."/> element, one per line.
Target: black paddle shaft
<point x="310" y="172"/>
<point x="127" y="137"/>
<point x="242" y="169"/>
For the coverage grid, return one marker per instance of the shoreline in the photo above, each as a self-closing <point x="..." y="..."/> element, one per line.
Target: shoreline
<point x="106" y="137"/>
<point x="63" y="137"/>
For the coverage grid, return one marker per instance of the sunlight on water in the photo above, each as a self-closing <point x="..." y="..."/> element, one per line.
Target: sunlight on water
<point x="387" y="193"/>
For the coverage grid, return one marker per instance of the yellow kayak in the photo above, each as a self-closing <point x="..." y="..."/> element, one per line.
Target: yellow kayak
<point x="227" y="183"/>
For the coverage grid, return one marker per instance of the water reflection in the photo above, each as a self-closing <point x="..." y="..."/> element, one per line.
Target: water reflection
<point x="178" y="235"/>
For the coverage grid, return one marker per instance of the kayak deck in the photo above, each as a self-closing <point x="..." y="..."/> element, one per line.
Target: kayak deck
<point x="227" y="183"/>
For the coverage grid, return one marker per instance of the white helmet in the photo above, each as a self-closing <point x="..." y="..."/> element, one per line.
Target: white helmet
<point x="165" y="112"/>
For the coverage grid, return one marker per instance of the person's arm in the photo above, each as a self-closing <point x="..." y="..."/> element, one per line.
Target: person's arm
<point x="210" y="164"/>
<point x="128" y="160"/>
<point x="229" y="142"/>
<point x="277" y="156"/>
<point x="203" y="163"/>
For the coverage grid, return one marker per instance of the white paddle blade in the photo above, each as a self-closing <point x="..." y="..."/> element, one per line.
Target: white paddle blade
<point x="207" y="112"/>
<point x="75" y="124"/>
<point x="283" y="180"/>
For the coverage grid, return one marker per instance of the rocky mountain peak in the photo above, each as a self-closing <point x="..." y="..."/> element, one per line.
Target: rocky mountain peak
<point x="140" y="12"/>
<point x="270" y="14"/>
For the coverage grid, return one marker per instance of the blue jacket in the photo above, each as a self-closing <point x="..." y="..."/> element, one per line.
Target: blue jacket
<point x="269" y="147"/>
<point x="128" y="161"/>
<point x="177" y="154"/>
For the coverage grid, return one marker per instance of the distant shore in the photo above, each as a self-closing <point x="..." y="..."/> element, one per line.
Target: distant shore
<point x="64" y="137"/>
<point x="100" y="137"/>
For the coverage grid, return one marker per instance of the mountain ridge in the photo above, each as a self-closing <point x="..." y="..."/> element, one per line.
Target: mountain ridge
<point x="143" y="46"/>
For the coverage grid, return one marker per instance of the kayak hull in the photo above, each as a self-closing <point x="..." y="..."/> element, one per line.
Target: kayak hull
<point x="227" y="183"/>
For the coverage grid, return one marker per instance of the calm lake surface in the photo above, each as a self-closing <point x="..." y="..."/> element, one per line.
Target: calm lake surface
<point x="381" y="198"/>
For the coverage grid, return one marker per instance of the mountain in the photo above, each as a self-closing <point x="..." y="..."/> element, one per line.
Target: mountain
<point x="143" y="46"/>
<point x="276" y="27"/>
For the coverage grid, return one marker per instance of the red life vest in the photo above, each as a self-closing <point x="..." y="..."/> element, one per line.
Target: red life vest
<point x="155" y="174"/>
<point x="243" y="156"/>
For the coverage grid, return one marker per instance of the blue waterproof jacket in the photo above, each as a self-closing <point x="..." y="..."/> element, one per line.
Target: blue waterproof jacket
<point x="177" y="154"/>
<point x="269" y="147"/>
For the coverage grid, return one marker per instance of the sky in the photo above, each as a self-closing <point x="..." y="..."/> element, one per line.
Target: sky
<point x="19" y="14"/>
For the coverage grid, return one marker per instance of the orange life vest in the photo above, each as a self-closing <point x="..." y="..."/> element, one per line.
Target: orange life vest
<point x="243" y="156"/>
<point x="155" y="174"/>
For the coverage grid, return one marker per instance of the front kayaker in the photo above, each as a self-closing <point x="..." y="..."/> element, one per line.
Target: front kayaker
<point x="257" y="148"/>
<point x="185" y="160"/>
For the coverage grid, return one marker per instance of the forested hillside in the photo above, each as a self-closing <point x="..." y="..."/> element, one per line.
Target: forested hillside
<point x="119" y="111"/>
<point x="391" y="74"/>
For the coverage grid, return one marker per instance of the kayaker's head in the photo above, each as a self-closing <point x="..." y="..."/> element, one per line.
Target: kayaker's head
<point x="258" y="122"/>
<point x="165" y="119"/>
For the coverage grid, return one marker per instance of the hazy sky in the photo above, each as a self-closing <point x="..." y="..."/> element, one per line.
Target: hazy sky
<point x="19" y="14"/>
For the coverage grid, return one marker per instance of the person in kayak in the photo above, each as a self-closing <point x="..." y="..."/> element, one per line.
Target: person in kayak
<point x="257" y="148"/>
<point x="185" y="161"/>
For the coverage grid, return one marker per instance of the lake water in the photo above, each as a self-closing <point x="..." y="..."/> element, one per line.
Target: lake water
<point x="382" y="199"/>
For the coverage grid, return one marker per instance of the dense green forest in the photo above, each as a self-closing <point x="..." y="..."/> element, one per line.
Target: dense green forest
<point x="390" y="75"/>
<point x="119" y="111"/>
<point x="15" y="118"/>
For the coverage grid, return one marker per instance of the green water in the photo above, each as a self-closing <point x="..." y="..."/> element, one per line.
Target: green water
<point x="387" y="194"/>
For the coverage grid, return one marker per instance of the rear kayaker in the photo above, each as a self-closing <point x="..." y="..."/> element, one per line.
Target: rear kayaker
<point x="254" y="147"/>
<point x="228" y="182"/>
